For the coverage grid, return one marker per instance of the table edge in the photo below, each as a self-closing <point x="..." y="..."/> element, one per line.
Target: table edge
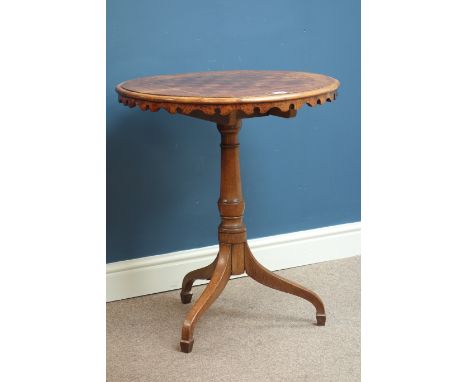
<point x="226" y="100"/>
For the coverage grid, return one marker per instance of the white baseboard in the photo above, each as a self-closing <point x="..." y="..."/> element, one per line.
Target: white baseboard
<point x="161" y="273"/>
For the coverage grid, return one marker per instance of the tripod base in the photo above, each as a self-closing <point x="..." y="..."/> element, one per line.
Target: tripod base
<point x="227" y="263"/>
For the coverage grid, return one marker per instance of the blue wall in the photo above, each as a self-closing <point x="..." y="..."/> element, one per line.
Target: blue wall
<point x="163" y="170"/>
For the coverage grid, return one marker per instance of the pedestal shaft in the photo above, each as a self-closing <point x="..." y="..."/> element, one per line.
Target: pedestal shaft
<point x="231" y="230"/>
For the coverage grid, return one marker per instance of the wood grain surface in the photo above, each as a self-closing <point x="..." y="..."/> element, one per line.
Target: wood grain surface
<point x="225" y="98"/>
<point x="248" y="93"/>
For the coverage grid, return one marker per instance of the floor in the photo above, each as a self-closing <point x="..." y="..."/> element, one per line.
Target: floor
<point x="251" y="333"/>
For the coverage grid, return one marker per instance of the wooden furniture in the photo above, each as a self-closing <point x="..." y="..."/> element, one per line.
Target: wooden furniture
<point x="226" y="98"/>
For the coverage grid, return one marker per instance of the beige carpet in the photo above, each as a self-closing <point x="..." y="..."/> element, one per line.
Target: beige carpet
<point x="251" y="333"/>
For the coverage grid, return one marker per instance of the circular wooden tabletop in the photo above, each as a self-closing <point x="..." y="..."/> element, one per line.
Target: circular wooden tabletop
<point x="223" y="92"/>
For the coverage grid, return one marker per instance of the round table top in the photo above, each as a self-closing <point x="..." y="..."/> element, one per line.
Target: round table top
<point x="222" y="92"/>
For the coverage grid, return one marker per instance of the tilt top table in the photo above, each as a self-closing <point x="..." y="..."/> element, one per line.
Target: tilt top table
<point x="226" y="98"/>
